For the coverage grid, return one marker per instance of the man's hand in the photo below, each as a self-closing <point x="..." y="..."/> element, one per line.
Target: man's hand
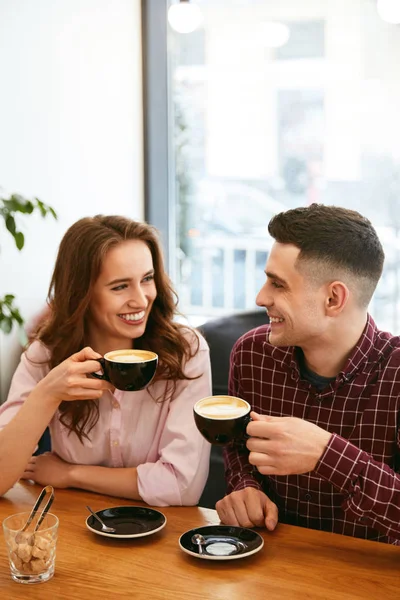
<point x="248" y="508"/>
<point x="285" y="445"/>
<point x="49" y="469"/>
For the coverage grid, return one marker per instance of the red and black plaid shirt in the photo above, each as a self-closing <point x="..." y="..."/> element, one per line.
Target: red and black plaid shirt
<point x="355" y="488"/>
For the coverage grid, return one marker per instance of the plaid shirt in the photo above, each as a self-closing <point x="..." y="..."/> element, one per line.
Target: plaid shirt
<point x="355" y="487"/>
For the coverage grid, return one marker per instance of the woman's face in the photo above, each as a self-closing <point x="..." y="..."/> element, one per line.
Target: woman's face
<point x="122" y="296"/>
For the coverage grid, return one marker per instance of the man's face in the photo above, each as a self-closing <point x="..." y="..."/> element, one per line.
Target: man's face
<point x="295" y="306"/>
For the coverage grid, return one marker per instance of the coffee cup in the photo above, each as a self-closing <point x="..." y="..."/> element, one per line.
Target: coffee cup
<point x="128" y="370"/>
<point x="222" y="419"/>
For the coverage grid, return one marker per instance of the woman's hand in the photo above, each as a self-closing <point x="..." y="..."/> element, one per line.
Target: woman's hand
<point x="69" y="380"/>
<point x="49" y="469"/>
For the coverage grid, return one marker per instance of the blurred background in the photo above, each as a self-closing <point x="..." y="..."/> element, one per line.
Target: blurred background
<point x="277" y="105"/>
<point x="258" y="106"/>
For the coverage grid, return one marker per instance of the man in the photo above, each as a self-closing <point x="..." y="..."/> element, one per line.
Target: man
<point x="324" y="385"/>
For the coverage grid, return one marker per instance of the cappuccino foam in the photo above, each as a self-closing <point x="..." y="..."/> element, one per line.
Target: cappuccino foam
<point x="223" y="407"/>
<point x="126" y="358"/>
<point x="133" y="356"/>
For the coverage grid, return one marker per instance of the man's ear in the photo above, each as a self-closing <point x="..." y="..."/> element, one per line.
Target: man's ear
<point x="337" y="297"/>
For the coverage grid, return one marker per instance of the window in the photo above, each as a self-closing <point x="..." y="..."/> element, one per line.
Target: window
<point x="307" y="40"/>
<point x="252" y="129"/>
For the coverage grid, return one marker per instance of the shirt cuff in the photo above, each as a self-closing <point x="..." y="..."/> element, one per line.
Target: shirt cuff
<point x="157" y="484"/>
<point x="341" y="463"/>
<point x="242" y="481"/>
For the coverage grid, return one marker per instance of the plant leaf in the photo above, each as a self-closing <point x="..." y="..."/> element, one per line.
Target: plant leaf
<point x="15" y="315"/>
<point x="9" y="314"/>
<point x="6" y="325"/>
<point x="19" y="240"/>
<point x="41" y="207"/>
<point x="17" y="203"/>
<point x="28" y="207"/>
<point x="9" y="208"/>
<point x="10" y="224"/>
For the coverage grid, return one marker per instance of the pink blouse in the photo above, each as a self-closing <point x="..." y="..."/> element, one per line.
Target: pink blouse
<point x="133" y="430"/>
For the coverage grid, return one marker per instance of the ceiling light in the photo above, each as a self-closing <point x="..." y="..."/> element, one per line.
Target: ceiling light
<point x="185" y="16"/>
<point x="389" y="11"/>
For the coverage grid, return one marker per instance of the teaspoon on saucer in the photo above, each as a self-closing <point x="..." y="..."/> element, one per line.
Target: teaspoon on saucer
<point x="199" y="540"/>
<point x="104" y="527"/>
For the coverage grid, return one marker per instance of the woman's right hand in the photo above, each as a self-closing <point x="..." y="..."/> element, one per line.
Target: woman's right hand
<point x="69" y="381"/>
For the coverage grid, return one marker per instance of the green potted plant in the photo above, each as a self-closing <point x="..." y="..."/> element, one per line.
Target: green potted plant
<point x="11" y="206"/>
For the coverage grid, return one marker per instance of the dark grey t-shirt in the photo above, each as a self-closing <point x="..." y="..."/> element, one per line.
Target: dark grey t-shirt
<point x="316" y="380"/>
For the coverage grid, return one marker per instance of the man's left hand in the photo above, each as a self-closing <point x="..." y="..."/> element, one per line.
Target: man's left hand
<point x="285" y="445"/>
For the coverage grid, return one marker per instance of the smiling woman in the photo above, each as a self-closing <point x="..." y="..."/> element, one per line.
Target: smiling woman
<point x="109" y="291"/>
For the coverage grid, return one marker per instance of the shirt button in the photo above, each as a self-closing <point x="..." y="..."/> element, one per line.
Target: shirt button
<point x="307" y="497"/>
<point x="115" y="404"/>
<point x="116" y="443"/>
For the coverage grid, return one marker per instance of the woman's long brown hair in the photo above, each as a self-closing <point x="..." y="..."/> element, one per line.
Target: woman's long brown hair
<point x="78" y="265"/>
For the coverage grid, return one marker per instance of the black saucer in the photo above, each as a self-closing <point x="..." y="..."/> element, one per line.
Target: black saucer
<point x="222" y="542"/>
<point x="129" y="521"/>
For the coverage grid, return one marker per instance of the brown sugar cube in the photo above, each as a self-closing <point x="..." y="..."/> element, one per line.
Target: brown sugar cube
<point x="38" y="553"/>
<point x="12" y="544"/>
<point x="26" y="568"/>
<point x="24" y="537"/>
<point x="38" y="565"/>
<point x="17" y="562"/>
<point x="43" y="543"/>
<point x="24" y="551"/>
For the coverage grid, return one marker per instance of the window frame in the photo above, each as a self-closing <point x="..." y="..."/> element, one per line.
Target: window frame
<point x="159" y="186"/>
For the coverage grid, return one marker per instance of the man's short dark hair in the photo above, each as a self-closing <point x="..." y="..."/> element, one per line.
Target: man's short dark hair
<point x="333" y="242"/>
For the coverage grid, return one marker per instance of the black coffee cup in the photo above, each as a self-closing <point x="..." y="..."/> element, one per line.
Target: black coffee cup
<point x="222" y="419"/>
<point x="128" y="370"/>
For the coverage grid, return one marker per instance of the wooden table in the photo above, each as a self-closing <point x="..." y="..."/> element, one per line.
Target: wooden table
<point x="294" y="564"/>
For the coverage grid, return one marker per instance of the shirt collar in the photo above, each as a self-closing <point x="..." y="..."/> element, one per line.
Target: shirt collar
<point x="362" y="351"/>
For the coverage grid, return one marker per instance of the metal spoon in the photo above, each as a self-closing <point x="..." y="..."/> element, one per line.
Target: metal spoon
<point x="198" y="539"/>
<point x="104" y="527"/>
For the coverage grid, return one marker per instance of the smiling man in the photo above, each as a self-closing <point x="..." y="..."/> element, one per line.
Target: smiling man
<point x="324" y="385"/>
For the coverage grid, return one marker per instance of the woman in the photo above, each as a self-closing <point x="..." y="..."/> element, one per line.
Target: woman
<point x="109" y="291"/>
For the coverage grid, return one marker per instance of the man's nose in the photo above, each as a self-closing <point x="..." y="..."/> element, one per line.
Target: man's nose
<point x="264" y="298"/>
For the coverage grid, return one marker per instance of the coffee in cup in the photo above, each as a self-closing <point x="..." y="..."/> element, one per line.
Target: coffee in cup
<point x="222" y="419"/>
<point x="128" y="370"/>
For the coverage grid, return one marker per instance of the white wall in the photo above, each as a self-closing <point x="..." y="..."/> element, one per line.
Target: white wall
<point x="70" y="130"/>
